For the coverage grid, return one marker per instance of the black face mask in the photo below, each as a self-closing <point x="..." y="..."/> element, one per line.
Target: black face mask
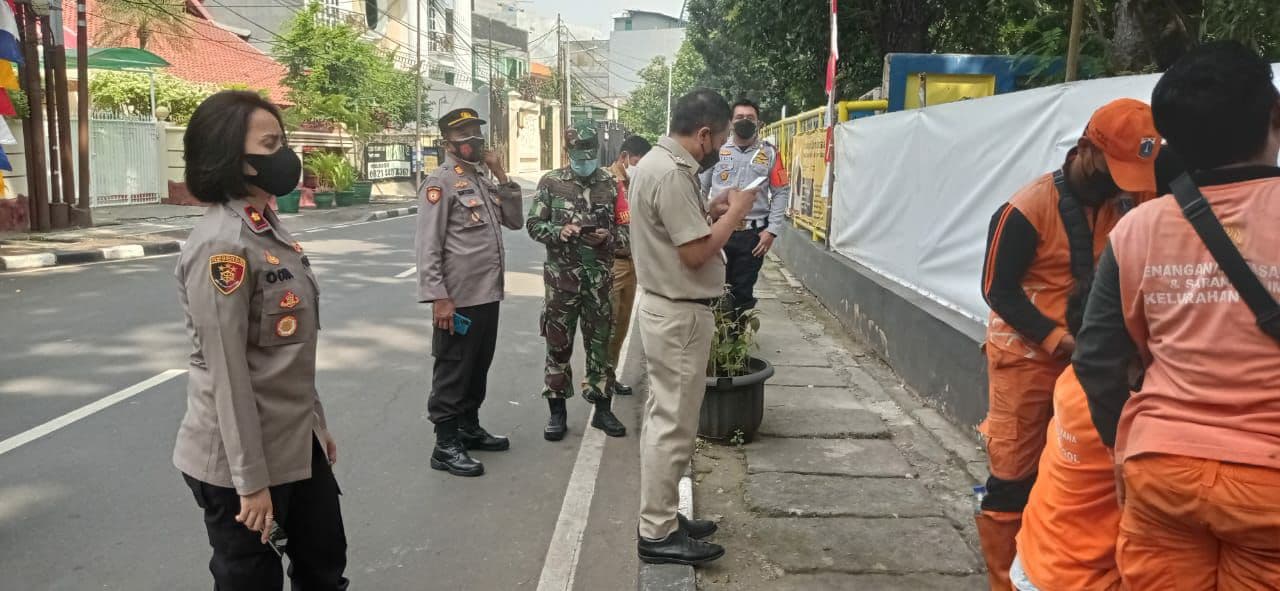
<point x="278" y="172"/>
<point x="709" y="159"/>
<point x="744" y="128"/>
<point x="470" y="150"/>
<point x="1101" y="187"/>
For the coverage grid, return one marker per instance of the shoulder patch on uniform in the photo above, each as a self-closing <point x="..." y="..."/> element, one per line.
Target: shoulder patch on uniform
<point x="227" y="272"/>
<point x="761" y="157"/>
<point x="433" y="195"/>
<point x="286" y="326"/>
<point x="256" y="220"/>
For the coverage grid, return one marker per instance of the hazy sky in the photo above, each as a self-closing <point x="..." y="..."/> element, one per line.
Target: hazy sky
<point x="598" y="14"/>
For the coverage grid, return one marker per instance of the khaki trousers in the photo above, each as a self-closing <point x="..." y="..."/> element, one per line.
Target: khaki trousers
<point x="622" y="297"/>
<point x="677" y="342"/>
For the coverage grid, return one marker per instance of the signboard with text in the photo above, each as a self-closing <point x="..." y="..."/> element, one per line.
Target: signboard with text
<point x="388" y="161"/>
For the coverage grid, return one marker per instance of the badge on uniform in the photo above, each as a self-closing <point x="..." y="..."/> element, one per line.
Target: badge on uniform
<point x="433" y="195"/>
<point x="286" y="326"/>
<point x="290" y="300"/>
<point x="259" y="223"/>
<point x="726" y="152"/>
<point x="273" y="259"/>
<point x="475" y="217"/>
<point x="473" y="202"/>
<point x="297" y="247"/>
<point x="457" y="168"/>
<point x="227" y="272"/>
<point x="761" y="158"/>
<point x="724" y="176"/>
<point x="461" y="185"/>
<point x="281" y="275"/>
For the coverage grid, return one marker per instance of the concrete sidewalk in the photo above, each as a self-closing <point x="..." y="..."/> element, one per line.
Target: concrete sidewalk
<point x="852" y="484"/>
<point x="145" y="230"/>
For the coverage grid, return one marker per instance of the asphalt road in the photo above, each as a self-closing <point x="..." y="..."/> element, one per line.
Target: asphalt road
<point x="97" y="504"/>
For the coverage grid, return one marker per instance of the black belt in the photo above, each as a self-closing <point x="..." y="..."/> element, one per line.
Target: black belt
<point x="708" y="302"/>
<point x="753" y="225"/>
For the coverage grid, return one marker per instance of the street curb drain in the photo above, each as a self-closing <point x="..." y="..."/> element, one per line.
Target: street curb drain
<point x="80" y="257"/>
<point x="672" y="577"/>
<point x="391" y="213"/>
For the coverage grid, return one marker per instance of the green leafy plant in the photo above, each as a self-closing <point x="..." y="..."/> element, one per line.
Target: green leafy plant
<point x="344" y="176"/>
<point x="326" y="166"/>
<point x="20" y="103"/>
<point x="739" y="438"/>
<point x="119" y="91"/>
<point x="734" y="340"/>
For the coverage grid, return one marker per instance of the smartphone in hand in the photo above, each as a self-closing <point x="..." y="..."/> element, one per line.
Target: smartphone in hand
<point x="461" y="324"/>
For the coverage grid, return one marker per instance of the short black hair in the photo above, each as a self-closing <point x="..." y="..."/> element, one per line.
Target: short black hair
<point x="698" y="109"/>
<point x="213" y="145"/>
<point x="1214" y="105"/>
<point x="636" y="146"/>
<point x="746" y="102"/>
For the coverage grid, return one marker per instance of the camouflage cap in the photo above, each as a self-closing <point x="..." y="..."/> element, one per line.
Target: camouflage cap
<point x="582" y="142"/>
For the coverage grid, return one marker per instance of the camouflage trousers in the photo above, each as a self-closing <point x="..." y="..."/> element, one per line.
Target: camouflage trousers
<point x="561" y="314"/>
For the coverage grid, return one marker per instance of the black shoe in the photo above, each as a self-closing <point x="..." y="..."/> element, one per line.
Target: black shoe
<point x="620" y="389"/>
<point x="604" y="420"/>
<point x="450" y="455"/>
<point x="558" y="426"/>
<point x="474" y="437"/>
<point x="678" y="548"/>
<point x="697" y="528"/>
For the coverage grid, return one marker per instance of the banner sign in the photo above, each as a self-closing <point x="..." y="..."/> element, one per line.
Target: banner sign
<point x="808" y="177"/>
<point x="388" y="161"/>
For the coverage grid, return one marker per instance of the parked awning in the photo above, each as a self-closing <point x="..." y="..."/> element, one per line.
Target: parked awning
<point x="118" y="58"/>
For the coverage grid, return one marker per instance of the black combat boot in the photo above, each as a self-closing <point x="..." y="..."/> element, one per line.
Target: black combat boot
<point x="450" y="454"/>
<point x="603" y="418"/>
<point x="558" y="426"/>
<point x="475" y="437"/>
<point x="678" y="548"/>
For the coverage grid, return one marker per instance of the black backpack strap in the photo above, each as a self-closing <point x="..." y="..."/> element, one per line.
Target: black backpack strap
<point x="1197" y="211"/>
<point x="1080" y="243"/>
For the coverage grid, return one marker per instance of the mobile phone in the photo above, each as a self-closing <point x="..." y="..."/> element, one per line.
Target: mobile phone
<point x="277" y="539"/>
<point x="461" y="324"/>
<point x="754" y="184"/>
<point x="588" y="229"/>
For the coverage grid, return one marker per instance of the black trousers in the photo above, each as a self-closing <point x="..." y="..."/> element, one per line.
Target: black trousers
<point x="742" y="269"/>
<point x="460" y="378"/>
<point x="312" y="520"/>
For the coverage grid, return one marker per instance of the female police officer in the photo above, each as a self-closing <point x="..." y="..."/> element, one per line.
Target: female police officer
<point x="253" y="445"/>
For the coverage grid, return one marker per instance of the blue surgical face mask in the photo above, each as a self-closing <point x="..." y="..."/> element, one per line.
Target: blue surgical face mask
<point x="584" y="168"/>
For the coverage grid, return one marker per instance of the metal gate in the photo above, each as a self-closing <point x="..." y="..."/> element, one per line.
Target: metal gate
<point x="125" y="164"/>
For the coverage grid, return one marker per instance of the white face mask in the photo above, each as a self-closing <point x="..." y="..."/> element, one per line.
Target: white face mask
<point x="631" y="171"/>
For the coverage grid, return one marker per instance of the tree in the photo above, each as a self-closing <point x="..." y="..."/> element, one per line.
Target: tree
<point x="120" y="91"/>
<point x="139" y="21"/>
<point x="645" y="112"/>
<point x="776" y="51"/>
<point x="333" y="60"/>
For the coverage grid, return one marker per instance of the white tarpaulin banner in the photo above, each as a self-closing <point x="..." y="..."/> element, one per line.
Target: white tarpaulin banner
<point x="915" y="190"/>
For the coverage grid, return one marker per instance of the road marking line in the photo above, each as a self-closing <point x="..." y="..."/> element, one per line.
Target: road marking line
<point x="561" y="563"/>
<point x="407" y="272"/>
<point x="35" y="433"/>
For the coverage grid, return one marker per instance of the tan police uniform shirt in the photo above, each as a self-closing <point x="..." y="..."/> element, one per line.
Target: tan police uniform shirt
<point x="667" y="211"/>
<point x="253" y="312"/>
<point x="459" y="241"/>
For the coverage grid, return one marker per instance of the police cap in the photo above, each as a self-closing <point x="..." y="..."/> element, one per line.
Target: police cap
<point x="458" y="118"/>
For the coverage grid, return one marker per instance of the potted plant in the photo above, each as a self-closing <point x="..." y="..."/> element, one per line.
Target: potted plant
<point x="325" y="166"/>
<point x="289" y="203"/>
<point x="734" y="403"/>
<point x="344" y="176"/>
<point x="363" y="190"/>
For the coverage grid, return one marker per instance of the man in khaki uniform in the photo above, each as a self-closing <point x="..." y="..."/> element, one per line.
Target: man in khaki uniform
<point x="461" y="263"/>
<point x="681" y="269"/>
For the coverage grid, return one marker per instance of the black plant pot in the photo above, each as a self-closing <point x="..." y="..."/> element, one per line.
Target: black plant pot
<point x="735" y="404"/>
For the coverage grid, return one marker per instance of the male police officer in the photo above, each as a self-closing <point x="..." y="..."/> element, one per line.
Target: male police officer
<point x="743" y="159"/>
<point x="460" y="271"/>
<point x="573" y="215"/>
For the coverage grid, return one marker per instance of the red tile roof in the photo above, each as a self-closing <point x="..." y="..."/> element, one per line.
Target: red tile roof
<point x="200" y="52"/>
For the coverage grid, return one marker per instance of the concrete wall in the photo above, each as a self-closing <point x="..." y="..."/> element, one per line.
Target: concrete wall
<point x="934" y="349"/>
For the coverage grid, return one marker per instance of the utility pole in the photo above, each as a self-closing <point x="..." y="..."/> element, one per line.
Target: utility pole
<point x="563" y="62"/>
<point x="83" y="215"/>
<point x="59" y="59"/>
<point x="670" y="67"/>
<point x="57" y="219"/>
<point x="36" y="182"/>
<point x="417" y="127"/>
<point x="1073" y="41"/>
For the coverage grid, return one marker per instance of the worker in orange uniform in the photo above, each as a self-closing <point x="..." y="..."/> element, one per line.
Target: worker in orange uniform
<point x="1041" y="251"/>
<point x="1069" y="527"/>
<point x="1199" y="441"/>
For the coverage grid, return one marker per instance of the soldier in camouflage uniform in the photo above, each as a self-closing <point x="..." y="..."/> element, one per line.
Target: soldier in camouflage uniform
<point x="573" y="215"/>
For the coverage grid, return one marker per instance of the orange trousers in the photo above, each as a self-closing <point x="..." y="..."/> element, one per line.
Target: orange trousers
<point x="1199" y="525"/>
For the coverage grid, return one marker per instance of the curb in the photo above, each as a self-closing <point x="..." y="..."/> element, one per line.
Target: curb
<point x="672" y="577"/>
<point x="80" y="257"/>
<point x="390" y="213"/>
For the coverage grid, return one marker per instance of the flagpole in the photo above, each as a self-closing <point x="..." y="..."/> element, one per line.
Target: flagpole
<point x="829" y="186"/>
